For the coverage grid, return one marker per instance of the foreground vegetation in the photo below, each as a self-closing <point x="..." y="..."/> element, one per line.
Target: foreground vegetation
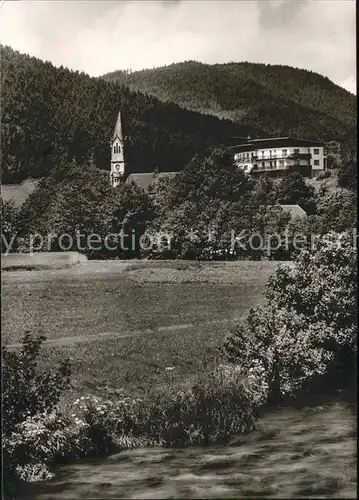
<point x="304" y="335"/>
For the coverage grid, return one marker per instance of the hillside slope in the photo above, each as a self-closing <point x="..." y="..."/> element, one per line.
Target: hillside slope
<point x="280" y="100"/>
<point x="53" y="114"/>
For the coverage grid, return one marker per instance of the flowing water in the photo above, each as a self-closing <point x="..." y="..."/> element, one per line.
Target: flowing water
<point x="294" y="453"/>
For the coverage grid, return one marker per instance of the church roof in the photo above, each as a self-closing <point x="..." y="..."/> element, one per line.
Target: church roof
<point x="143" y="180"/>
<point x="118" y="128"/>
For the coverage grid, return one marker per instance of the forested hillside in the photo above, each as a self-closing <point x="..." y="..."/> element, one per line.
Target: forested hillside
<point x="51" y="115"/>
<point x="280" y="100"/>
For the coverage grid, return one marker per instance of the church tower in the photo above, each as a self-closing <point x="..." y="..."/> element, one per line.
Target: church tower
<point x="117" y="155"/>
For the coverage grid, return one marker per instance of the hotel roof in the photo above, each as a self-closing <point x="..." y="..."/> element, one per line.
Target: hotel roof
<point x="275" y="141"/>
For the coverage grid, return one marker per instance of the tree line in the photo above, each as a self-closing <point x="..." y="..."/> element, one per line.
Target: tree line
<point x="200" y="209"/>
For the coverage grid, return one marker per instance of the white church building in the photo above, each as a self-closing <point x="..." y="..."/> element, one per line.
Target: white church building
<point x="118" y="165"/>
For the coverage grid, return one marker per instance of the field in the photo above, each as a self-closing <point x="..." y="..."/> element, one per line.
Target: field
<point x="123" y="323"/>
<point x="330" y="183"/>
<point x="18" y="192"/>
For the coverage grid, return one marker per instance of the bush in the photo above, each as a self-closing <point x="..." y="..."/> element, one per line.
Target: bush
<point x="8" y="224"/>
<point x="324" y="175"/>
<point x="308" y="328"/>
<point x="34" y="444"/>
<point x="213" y="408"/>
<point x="25" y="391"/>
<point x="216" y="406"/>
<point x="28" y="397"/>
<point x="347" y="175"/>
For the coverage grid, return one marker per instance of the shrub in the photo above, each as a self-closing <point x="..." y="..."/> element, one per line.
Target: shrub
<point x="347" y="175"/>
<point x="25" y="390"/>
<point x="30" y="433"/>
<point x="212" y="409"/>
<point x="8" y="224"/>
<point x="324" y="175"/>
<point x="308" y="328"/>
<point x="34" y="444"/>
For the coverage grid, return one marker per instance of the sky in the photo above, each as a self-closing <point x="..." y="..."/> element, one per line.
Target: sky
<point x="102" y="36"/>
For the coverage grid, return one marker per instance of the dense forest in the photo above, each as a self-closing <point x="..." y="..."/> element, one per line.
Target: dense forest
<point x="51" y="115"/>
<point x="280" y="100"/>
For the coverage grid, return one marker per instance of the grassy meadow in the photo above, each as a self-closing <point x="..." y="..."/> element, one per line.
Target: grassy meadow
<point x="18" y="192"/>
<point x="123" y="323"/>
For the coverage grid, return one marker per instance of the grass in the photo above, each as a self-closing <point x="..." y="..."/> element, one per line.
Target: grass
<point x="122" y="323"/>
<point x="18" y="192"/>
<point x="330" y="183"/>
<point x="38" y="261"/>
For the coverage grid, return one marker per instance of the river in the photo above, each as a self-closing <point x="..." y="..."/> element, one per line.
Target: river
<point x="294" y="453"/>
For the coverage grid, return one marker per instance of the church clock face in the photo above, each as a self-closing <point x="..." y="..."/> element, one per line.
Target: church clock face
<point x="117" y="168"/>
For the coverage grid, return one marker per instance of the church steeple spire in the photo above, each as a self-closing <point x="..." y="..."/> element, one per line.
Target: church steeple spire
<point x="117" y="154"/>
<point x="118" y="128"/>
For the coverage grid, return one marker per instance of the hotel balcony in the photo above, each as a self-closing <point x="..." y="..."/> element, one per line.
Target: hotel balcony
<point x="299" y="156"/>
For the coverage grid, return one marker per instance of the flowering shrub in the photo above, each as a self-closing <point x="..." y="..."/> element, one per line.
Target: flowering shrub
<point x="31" y="432"/>
<point x="308" y="328"/>
<point x="212" y="409"/>
<point x="37" y="442"/>
<point x="256" y="386"/>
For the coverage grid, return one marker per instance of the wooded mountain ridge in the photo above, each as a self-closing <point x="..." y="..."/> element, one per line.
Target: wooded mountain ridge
<point x="280" y="100"/>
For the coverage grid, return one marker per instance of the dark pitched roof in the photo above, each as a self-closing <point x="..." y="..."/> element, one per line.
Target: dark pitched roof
<point x="144" y="180"/>
<point x="267" y="142"/>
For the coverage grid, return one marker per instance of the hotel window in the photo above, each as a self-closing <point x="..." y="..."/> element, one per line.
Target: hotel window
<point x="296" y="151"/>
<point x="284" y="152"/>
<point x="316" y="151"/>
<point x="281" y="163"/>
<point x="316" y="162"/>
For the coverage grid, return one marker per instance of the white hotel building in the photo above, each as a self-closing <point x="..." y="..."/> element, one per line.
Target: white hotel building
<point x="277" y="155"/>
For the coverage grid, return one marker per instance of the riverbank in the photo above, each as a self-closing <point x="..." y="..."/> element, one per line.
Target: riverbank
<point x="308" y="452"/>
